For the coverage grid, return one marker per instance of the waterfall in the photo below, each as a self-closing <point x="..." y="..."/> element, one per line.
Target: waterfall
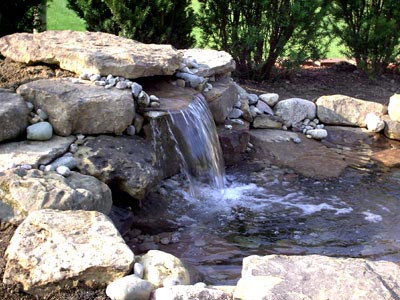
<point x="196" y="141"/>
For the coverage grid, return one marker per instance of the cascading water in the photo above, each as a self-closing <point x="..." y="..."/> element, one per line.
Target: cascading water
<point x="196" y="141"/>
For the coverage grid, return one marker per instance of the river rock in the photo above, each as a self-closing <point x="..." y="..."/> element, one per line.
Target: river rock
<point x="374" y="123"/>
<point x="33" y="153"/>
<point x="392" y="128"/>
<point x="128" y="288"/>
<point x="316" y="277"/>
<point x="317" y="134"/>
<point x="81" y="108"/>
<point x="53" y="250"/>
<point x="182" y="292"/>
<point x="278" y="147"/>
<point x="210" y="62"/>
<point x="264" y="108"/>
<point x="295" y="110"/>
<point x="271" y="99"/>
<point x="66" y="161"/>
<point x="221" y="100"/>
<point x="234" y="142"/>
<point x="41" y="131"/>
<point x="267" y="122"/>
<point x="125" y="162"/>
<point x="14" y="115"/>
<point x="23" y="191"/>
<point x="92" y="52"/>
<point x="344" y="110"/>
<point x="160" y="266"/>
<point x="236" y="113"/>
<point x="394" y="108"/>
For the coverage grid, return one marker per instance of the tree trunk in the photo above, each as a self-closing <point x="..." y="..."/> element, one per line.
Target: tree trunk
<point x="41" y="17"/>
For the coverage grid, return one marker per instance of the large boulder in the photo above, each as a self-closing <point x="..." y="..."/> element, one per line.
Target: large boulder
<point x="24" y="191"/>
<point x="162" y="269"/>
<point x="394" y="108"/>
<point x="345" y="110"/>
<point x="316" y="277"/>
<point x="124" y="162"/>
<point x="33" y="153"/>
<point x="210" y="62"/>
<point x="279" y="147"/>
<point x="295" y="110"/>
<point x="392" y="128"/>
<point x="92" y="52"/>
<point x="80" y="108"/>
<point x="14" y="114"/>
<point x="53" y="250"/>
<point x="221" y="99"/>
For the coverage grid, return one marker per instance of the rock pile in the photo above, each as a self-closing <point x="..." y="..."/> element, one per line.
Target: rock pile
<point x="87" y="135"/>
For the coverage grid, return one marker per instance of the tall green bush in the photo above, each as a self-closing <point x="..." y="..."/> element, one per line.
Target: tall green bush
<point x="371" y="31"/>
<point x="259" y="32"/>
<point x="158" y="21"/>
<point x="18" y="16"/>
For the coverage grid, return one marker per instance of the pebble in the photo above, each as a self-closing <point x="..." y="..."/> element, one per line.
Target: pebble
<point x="76" y="81"/>
<point x="108" y="86"/>
<point x="238" y="104"/>
<point x="229" y="127"/>
<point x="136" y="89"/>
<point x="138" y="270"/>
<point x="154" y="98"/>
<point x="209" y="86"/>
<point x="95" y="77"/>
<point x="121" y="85"/>
<point x="143" y="99"/>
<point x="165" y="241"/>
<point x="85" y="76"/>
<point x="296" y="140"/>
<point x="254" y="111"/>
<point x="128" y="288"/>
<point x="29" y="105"/>
<point x="73" y="148"/>
<point x="100" y="83"/>
<point x="63" y="170"/>
<point x="237" y="121"/>
<point x="181" y="83"/>
<point x="41" y="131"/>
<point x="271" y="98"/>
<point x="111" y="81"/>
<point x="67" y="161"/>
<point x="235" y="113"/>
<point x="200" y="285"/>
<point x="131" y="130"/>
<point x="26" y="167"/>
<point x="42" y="114"/>
<point x="253" y="99"/>
<point x="317" y="134"/>
<point x="192" y="63"/>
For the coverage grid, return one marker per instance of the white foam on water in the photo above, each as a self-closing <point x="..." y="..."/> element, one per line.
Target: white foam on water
<point x="371" y="217"/>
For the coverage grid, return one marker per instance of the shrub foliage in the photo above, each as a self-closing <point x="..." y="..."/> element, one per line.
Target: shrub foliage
<point x="371" y="31"/>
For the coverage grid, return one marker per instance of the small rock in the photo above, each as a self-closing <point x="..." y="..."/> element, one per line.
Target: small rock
<point x="305" y="122"/>
<point x="320" y="126"/>
<point x="192" y="63"/>
<point x="143" y="99"/>
<point x="317" y="134"/>
<point x="131" y="130"/>
<point x="95" y="77"/>
<point x="138" y="270"/>
<point x="312" y="124"/>
<point x="181" y="83"/>
<point x="296" y="140"/>
<point x="235" y="113"/>
<point x="374" y="123"/>
<point x="76" y="81"/>
<point x="154" y="98"/>
<point x="193" y="80"/>
<point x="209" y="86"/>
<point x="66" y="160"/>
<point x="129" y="288"/>
<point x="121" y="85"/>
<point x="165" y="241"/>
<point x="154" y="104"/>
<point x="138" y="122"/>
<point x="42" y="114"/>
<point x="237" y="121"/>
<point x="254" y="111"/>
<point x="253" y="99"/>
<point x="229" y="127"/>
<point x="108" y="86"/>
<point x="29" y="105"/>
<point x="238" y="104"/>
<point x="128" y="84"/>
<point x="73" y="148"/>
<point x="200" y="243"/>
<point x="41" y="131"/>
<point x="100" y="83"/>
<point x="63" y="170"/>
<point x="26" y="167"/>
<point x="85" y="76"/>
<point x="200" y="285"/>
<point x="136" y="89"/>
<point x="271" y="98"/>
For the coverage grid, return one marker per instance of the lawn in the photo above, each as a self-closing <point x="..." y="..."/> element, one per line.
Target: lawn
<point x="59" y="17"/>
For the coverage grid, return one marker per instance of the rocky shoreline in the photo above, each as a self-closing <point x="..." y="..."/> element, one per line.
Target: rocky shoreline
<point x="90" y="135"/>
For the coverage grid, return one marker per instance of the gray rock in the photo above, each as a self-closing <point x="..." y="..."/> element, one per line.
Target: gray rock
<point x="66" y="161"/>
<point x="253" y="99"/>
<point x="42" y="114"/>
<point x="63" y="170"/>
<point x="344" y="110"/>
<point x="392" y="128"/>
<point x="294" y="110"/>
<point x="138" y="122"/>
<point x="100" y="83"/>
<point x="34" y="153"/>
<point x="143" y="99"/>
<point x="129" y="287"/>
<point x="394" y="108"/>
<point x="317" y="134"/>
<point x="254" y="111"/>
<point x="316" y="277"/>
<point x="235" y="113"/>
<point x="159" y="266"/>
<point x="138" y="270"/>
<point x="264" y="108"/>
<point x="221" y="100"/>
<point x="22" y="192"/>
<point x="374" y="123"/>
<point x="131" y="130"/>
<point x="92" y="52"/>
<point x="121" y="85"/>
<point x="181" y="83"/>
<point x="85" y="76"/>
<point x="95" y="77"/>
<point x="182" y="292"/>
<point x="267" y="122"/>
<point x="14" y="115"/>
<point x="192" y="80"/>
<point x="125" y="162"/>
<point x="271" y="99"/>
<point x="53" y="250"/>
<point x="136" y="89"/>
<point x="41" y="131"/>
<point x="111" y="81"/>
<point x="209" y="62"/>
<point x="83" y="108"/>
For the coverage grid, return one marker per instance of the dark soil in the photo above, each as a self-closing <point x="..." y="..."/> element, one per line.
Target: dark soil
<point x="308" y="83"/>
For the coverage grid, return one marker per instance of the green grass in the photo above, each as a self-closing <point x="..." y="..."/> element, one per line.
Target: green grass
<point x="59" y="17"/>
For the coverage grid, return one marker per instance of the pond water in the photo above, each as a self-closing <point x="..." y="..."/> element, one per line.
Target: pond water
<point x="268" y="210"/>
